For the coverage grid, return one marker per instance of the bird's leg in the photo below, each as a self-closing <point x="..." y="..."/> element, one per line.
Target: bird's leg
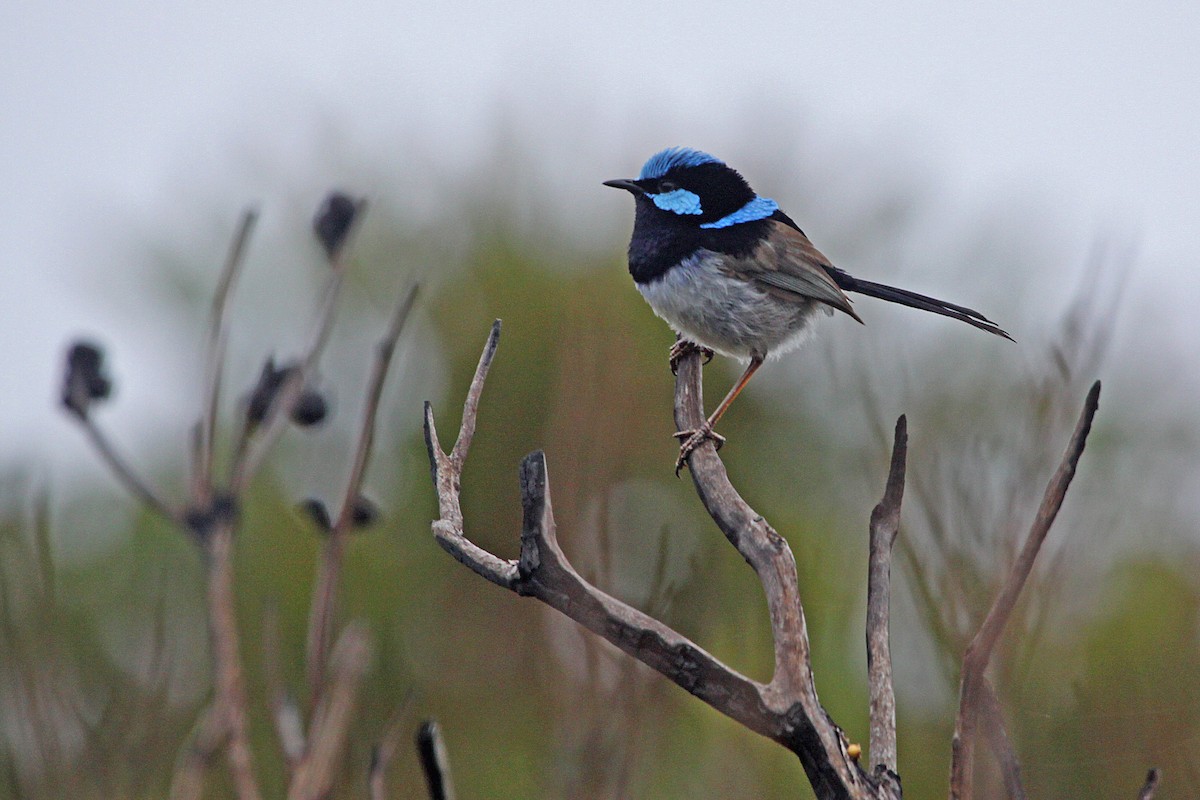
<point x="694" y="438"/>
<point x="683" y="347"/>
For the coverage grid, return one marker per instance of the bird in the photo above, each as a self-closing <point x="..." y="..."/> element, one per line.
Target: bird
<point x="733" y="274"/>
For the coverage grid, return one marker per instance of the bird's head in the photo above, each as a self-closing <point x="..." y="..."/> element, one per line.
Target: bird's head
<point x="682" y="185"/>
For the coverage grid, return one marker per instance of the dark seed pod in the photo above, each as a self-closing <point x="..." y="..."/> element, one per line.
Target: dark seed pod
<point x="315" y="510"/>
<point x="270" y="381"/>
<point x="83" y="380"/>
<point x="364" y="513"/>
<point x="333" y="222"/>
<point x="310" y="408"/>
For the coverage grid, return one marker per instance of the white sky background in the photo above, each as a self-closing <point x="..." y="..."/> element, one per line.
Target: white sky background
<point x="110" y="112"/>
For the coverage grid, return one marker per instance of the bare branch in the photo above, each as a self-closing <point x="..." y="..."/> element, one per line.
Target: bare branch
<point x="198" y="754"/>
<point x="1002" y="747"/>
<point x="466" y="431"/>
<point x="786" y="710"/>
<point x="885" y="525"/>
<point x="979" y="651"/>
<point x="251" y="453"/>
<point x="231" y="703"/>
<point x="383" y="753"/>
<point x="329" y="572"/>
<point x="447" y="480"/>
<point x="762" y="547"/>
<point x="332" y="718"/>
<point x="285" y="715"/>
<point x="214" y="358"/>
<point x="132" y="482"/>
<point x="1151" y="785"/>
<point x="431" y="750"/>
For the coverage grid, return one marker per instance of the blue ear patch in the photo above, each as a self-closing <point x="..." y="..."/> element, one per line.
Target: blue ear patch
<point x="756" y="209"/>
<point x="679" y="201"/>
<point x="661" y="163"/>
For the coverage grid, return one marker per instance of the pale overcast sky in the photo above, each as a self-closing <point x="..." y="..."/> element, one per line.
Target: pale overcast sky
<point x="107" y="108"/>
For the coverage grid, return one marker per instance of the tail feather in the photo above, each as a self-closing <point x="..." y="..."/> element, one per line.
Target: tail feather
<point x="848" y="283"/>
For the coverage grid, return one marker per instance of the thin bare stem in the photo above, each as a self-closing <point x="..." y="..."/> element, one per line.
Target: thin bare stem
<point x="132" y="482"/>
<point x="214" y="357"/>
<point x="1151" y="785"/>
<point x="885" y="525"/>
<point x="197" y="757"/>
<point x="285" y="716"/>
<point x="333" y="715"/>
<point x="329" y="571"/>
<point x="471" y="405"/>
<point x="979" y="651"/>
<point x="1002" y="747"/>
<point x="431" y="751"/>
<point x="252" y="450"/>
<point x="231" y="701"/>
<point x="447" y="477"/>
<point x="383" y="753"/>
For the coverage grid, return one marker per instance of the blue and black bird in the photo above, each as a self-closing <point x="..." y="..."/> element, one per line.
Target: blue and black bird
<point x="732" y="273"/>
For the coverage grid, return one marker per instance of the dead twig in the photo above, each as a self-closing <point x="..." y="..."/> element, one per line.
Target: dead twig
<point x="786" y="710"/>
<point x="885" y="525"/>
<point x="333" y="715"/>
<point x="254" y="445"/>
<point x="979" y="651"/>
<point x="435" y="763"/>
<point x="197" y="757"/>
<point x="132" y="482"/>
<point x="230" y="680"/>
<point x="383" y="752"/>
<point x="1151" y="785"/>
<point x="330" y="566"/>
<point x="214" y="357"/>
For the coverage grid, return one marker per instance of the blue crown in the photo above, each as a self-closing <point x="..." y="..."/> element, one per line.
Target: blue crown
<point x="663" y="162"/>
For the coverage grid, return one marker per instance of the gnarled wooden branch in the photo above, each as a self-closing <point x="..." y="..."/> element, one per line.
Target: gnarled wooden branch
<point x="785" y="710"/>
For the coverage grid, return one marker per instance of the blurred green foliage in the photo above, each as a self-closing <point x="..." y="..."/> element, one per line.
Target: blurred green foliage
<point x="103" y="659"/>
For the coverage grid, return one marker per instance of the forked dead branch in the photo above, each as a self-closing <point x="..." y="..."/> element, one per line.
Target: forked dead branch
<point x="786" y="709"/>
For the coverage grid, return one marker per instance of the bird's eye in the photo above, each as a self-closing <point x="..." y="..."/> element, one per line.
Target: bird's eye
<point x="666" y="187"/>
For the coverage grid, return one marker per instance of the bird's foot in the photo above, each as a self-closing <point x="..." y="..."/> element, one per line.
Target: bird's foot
<point x="693" y="439"/>
<point x="683" y="347"/>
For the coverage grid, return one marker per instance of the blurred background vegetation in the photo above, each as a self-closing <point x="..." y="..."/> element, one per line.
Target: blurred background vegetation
<point x="103" y="650"/>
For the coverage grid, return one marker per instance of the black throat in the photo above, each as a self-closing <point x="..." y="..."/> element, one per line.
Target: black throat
<point x="661" y="240"/>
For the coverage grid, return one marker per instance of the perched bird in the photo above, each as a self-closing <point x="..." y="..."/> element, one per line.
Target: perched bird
<point x="732" y="273"/>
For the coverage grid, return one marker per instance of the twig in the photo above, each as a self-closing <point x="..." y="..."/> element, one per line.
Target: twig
<point x="979" y="651"/>
<point x="329" y="571"/>
<point x="885" y="524"/>
<point x="330" y="727"/>
<point x="231" y="702"/>
<point x="134" y="484"/>
<point x="252" y="450"/>
<point x="447" y="474"/>
<point x="1151" y="785"/>
<point x="431" y="751"/>
<point x="285" y="716"/>
<point x="214" y="358"/>
<point x="383" y="752"/>
<point x="1002" y="747"/>
<point x="197" y="756"/>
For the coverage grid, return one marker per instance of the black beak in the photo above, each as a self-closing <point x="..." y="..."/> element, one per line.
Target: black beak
<point x="628" y="185"/>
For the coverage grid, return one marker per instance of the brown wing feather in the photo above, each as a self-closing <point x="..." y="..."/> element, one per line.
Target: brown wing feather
<point x="787" y="263"/>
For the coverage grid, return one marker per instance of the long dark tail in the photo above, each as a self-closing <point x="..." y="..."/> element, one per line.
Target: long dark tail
<point x="849" y="283"/>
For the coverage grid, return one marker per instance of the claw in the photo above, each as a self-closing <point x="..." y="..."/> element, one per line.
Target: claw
<point x="693" y="439"/>
<point x="683" y="347"/>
